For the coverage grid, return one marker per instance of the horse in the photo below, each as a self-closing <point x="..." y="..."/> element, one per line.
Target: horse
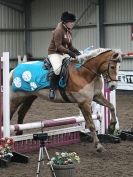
<point x="84" y="85"/>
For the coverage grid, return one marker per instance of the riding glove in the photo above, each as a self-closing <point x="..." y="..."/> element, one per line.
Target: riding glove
<point x="72" y="54"/>
<point x="77" y="53"/>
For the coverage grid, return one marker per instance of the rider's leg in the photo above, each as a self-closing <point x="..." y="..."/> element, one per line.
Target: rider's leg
<point x="53" y="85"/>
<point x="56" y="62"/>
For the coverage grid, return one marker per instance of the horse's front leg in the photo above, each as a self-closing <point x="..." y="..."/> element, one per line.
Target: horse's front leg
<point x="85" y="108"/>
<point x="100" y="99"/>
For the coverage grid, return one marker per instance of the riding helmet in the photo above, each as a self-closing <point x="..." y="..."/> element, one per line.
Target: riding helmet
<point x="68" y="17"/>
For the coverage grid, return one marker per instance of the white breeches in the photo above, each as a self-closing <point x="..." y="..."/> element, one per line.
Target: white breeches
<point x="56" y="62"/>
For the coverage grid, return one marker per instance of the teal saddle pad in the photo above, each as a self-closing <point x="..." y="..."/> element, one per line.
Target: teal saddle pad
<point x="30" y="76"/>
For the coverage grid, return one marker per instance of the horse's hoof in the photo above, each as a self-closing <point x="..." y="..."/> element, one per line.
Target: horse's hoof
<point x="100" y="148"/>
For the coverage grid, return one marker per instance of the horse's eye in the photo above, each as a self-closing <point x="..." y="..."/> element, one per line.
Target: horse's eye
<point x="112" y="67"/>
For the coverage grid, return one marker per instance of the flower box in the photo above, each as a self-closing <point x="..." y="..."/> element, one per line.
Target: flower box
<point x="63" y="164"/>
<point x="64" y="170"/>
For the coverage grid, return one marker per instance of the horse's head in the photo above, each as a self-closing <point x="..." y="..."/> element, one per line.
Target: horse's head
<point x="109" y="69"/>
<point x="105" y="62"/>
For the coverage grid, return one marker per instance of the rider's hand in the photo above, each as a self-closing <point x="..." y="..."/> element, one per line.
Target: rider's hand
<point x="72" y="54"/>
<point x="77" y="53"/>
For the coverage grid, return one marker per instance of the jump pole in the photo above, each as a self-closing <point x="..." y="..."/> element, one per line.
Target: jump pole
<point x="6" y="94"/>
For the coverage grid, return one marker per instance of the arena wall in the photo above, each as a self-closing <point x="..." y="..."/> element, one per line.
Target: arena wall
<point x="39" y="18"/>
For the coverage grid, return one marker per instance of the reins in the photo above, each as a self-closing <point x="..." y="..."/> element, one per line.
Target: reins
<point x="91" y="70"/>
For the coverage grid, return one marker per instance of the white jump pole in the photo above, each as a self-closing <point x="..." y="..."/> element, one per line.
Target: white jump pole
<point x="51" y="123"/>
<point x="6" y="95"/>
<point x="46" y="123"/>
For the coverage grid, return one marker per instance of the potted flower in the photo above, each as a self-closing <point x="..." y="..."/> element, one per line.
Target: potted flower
<point x="6" y="148"/>
<point x="64" y="163"/>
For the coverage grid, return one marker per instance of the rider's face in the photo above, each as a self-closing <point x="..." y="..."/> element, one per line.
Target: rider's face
<point x="70" y="25"/>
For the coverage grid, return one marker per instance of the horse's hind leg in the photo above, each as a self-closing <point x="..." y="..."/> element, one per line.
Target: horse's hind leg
<point x="24" y="107"/>
<point x="14" y="104"/>
<point x="86" y="111"/>
<point x="100" y="99"/>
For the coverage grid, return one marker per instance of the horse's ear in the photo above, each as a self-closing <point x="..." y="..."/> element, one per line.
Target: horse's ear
<point x="117" y="57"/>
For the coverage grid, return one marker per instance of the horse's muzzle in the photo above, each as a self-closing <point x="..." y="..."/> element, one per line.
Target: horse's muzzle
<point x="112" y="85"/>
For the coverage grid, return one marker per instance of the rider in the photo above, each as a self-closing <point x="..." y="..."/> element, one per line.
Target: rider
<point x="61" y="47"/>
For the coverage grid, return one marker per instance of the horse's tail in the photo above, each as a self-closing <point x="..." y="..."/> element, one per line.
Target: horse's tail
<point x="11" y="76"/>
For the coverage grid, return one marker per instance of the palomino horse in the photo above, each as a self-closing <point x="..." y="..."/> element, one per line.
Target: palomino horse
<point x="84" y="86"/>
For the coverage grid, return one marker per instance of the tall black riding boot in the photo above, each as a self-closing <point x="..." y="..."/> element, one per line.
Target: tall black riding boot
<point x="53" y="86"/>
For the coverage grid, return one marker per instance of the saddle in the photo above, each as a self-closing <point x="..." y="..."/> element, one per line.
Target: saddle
<point x="63" y="78"/>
